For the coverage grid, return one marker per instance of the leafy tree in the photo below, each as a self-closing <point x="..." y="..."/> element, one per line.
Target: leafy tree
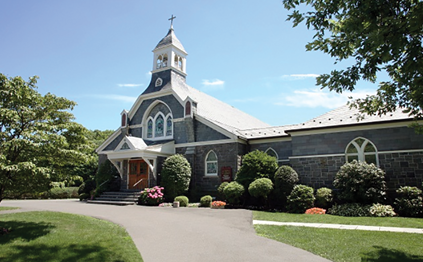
<point x="256" y="164"/>
<point x="375" y="35"/>
<point x="176" y="175"/>
<point x="38" y="139"/>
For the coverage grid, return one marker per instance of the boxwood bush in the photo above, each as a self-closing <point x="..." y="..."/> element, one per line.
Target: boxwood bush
<point x="359" y="182"/>
<point x="206" y="201"/>
<point x="285" y="180"/>
<point x="409" y="202"/>
<point x="233" y="192"/>
<point x="256" y="164"/>
<point x="324" y="197"/>
<point x="183" y="201"/>
<point x="261" y="188"/>
<point x="300" y="199"/>
<point x="220" y="193"/>
<point x="175" y="176"/>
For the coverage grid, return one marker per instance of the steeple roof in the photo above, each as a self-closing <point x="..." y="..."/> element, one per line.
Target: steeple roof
<point x="170" y="39"/>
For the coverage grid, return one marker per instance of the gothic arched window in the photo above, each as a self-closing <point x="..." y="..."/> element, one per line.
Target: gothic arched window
<point x="169" y="126"/>
<point x="271" y="152"/>
<point x="211" y="164"/>
<point x="188" y="108"/>
<point x="362" y="149"/>
<point x="159" y="126"/>
<point x="150" y="128"/>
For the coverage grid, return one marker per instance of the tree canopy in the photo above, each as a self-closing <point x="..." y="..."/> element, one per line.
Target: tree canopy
<point x="39" y="141"/>
<point x="377" y="35"/>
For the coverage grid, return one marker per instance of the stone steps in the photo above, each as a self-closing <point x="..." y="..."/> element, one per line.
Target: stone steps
<point x="116" y="198"/>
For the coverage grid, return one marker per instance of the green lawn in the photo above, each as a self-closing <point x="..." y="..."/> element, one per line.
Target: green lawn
<point x="53" y="236"/>
<point x="8" y="208"/>
<point x="346" y="245"/>
<point x="330" y="219"/>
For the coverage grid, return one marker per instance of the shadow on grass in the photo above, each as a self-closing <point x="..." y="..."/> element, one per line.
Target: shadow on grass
<point x="63" y="253"/>
<point x="382" y="254"/>
<point x="25" y="231"/>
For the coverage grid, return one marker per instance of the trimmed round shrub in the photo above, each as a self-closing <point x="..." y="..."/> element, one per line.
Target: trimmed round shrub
<point x="324" y="197"/>
<point x="176" y="175"/>
<point x="220" y="189"/>
<point x="359" y="182"/>
<point x="233" y="192"/>
<point x="183" y="201"/>
<point x="409" y="202"/>
<point x="86" y="187"/>
<point x="350" y="210"/>
<point x="285" y="179"/>
<point x="261" y="188"/>
<point x="300" y="199"/>
<point x="206" y="201"/>
<point x="379" y="210"/>
<point x="256" y="164"/>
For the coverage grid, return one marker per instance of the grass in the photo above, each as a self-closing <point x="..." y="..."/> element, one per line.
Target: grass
<point x="7" y="208"/>
<point x="346" y="245"/>
<point x="330" y="219"/>
<point x="349" y="245"/>
<point x="53" y="236"/>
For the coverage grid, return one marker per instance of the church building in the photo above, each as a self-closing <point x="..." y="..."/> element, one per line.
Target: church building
<point x="170" y="117"/>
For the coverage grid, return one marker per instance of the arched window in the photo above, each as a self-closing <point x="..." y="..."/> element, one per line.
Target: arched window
<point x="188" y="108"/>
<point x="159" y="82"/>
<point x="123" y="120"/>
<point x="150" y="128"/>
<point x="164" y="64"/>
<point x="159" y="126"/>
<point x="175" y="61"/>
<point x="211" y="164"/>
<point x="169" y="126"/>
<point x="180" y="63"/>
<point x="271" y="152"/>
<point x="362" y="149"/>
<point x="159" y="62"/>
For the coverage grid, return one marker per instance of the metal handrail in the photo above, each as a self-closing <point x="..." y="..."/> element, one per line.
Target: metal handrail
<point x="138" y="182"/>
<point x="103" y="183"/>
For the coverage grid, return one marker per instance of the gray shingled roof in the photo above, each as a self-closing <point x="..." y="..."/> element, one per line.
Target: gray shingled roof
<point x="342" y="116"/>
<point x="169" y="39"/>
<point x="212" y="109"/>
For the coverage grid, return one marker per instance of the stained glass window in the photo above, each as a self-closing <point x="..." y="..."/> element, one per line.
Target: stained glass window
<point x="150" y="129"/>
<point x="211" y="164"/>
<point x="159" y="126"/>
<point x="169" y="130"/>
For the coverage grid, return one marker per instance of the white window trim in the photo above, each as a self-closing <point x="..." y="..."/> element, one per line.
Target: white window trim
<point x="164" y="137"/>
<point x="274" y="151"/>
<point x="361" y="155"/>
<point x="214" y="161"/>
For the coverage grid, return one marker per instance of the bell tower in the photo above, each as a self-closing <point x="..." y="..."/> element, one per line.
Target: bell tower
<point x="170" y="54"/>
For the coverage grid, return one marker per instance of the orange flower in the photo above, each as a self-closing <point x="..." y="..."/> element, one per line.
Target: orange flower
<point x="316" y="210"/>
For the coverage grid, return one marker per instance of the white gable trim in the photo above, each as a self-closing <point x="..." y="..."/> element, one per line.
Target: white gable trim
<point x="107" y="142"/>
<point x="141" y="98"/>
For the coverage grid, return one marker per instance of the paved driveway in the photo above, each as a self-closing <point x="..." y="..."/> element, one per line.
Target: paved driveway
<point x="182" y="234"/>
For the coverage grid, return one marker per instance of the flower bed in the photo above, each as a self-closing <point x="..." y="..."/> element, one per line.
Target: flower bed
<point x="315" y="211"/>
<point x="218" y="204"/>
<point x="151" y="196"/>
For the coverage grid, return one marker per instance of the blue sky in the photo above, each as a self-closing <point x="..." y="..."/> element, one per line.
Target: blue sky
<point x="98" y="54"/>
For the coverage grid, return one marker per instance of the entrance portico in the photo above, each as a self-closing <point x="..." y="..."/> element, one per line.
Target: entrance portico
<point x="137" y="162"/>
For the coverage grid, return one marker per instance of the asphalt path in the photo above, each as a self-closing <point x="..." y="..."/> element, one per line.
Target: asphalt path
<point x="181" y="234"/>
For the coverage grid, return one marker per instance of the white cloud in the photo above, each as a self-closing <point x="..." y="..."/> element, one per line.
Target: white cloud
<point x="126" y="99"/>
<point x="318" y="98"/>
<point x="213" y="84"/>
<point x="299" y="76"/>
<point x="129" y="85"/>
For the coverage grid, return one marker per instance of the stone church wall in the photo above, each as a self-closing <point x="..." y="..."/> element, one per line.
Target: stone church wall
<point x="283" y="149"/>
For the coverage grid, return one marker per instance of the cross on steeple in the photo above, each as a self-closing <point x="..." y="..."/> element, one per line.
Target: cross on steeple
<point x="171" y="20"/>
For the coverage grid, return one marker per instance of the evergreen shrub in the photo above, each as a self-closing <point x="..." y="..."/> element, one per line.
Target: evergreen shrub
<point x="256" y="164"/>
<point x="359" y="182"/>
<point x="107" y="174"/>
<point x="300" y="199"/>
<point x="261" y="188"/>
<point x="233" y="192"/>
<point x="175" y="176"/>
<point x="183" y="201"/>
<point x="324" y="197"/>
<point x="350" y="210"/>
<point x="220" y="189"/>
<point x="409" y="202"/>
<point x="206" y="201"/>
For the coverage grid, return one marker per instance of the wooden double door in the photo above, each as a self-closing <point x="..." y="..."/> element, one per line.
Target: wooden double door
<point x="138" y="174"/>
